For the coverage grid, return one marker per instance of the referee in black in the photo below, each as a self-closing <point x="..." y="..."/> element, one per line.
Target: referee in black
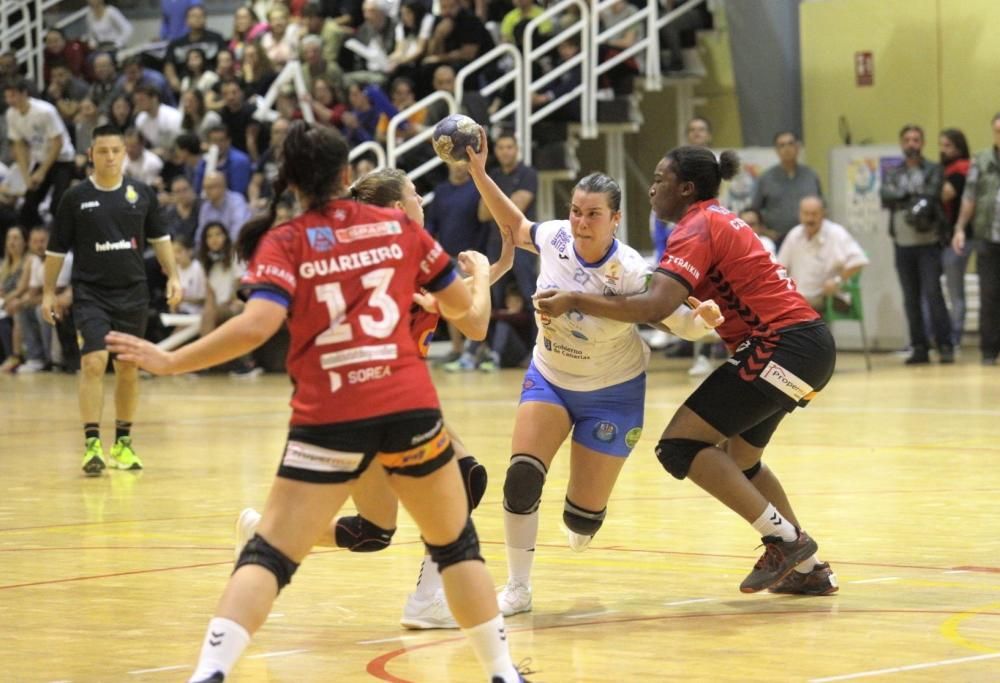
<point x="106" y="221"/>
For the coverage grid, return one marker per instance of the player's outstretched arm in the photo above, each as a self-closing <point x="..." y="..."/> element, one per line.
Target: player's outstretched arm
<point x="693" y="321"/>
<point x="237" y="336"/>
<point x="505" y="213"/>
<point x="661" y="299"/>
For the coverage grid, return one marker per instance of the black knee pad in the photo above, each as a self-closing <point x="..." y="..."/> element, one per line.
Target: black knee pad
<point x="581" y="520"/>
<point x="260" y="552"/>
<point x="474" y="478"/>
<point x="465" y="547"/>
<point x="752" y="472"/>
<point x="359" y="535"/>
<point x="676" y="455"/>
<point x="522" y="489"/>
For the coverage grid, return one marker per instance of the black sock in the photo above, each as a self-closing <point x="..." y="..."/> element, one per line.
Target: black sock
<point x="91" y="430"/>
<point x="122" y="428"/>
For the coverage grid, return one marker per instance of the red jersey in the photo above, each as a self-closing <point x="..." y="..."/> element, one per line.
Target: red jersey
<point x="347" y="276"/>
<point x="422" y="327"/>
<point x="716" y="255"/>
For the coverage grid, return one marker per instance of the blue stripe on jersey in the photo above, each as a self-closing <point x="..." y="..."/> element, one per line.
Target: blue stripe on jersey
<point x="534" y="240"/>
<point x="443" y="280"/>
<point x="270" y="295"/>
<point x="600" y="262"/>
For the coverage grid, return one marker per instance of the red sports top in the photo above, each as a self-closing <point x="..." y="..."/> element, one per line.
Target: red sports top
<point x="347" y="276"/>
<point x="717" y="256"/>
<point x="422" y="327"/>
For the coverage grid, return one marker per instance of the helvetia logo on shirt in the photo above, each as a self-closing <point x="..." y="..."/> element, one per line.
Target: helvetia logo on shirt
<point x="120" y="245"/>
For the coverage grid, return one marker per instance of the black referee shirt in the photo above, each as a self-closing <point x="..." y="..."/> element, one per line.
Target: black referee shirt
<point x="107" y="231"/>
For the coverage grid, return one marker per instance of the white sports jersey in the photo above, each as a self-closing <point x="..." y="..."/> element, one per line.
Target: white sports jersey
<point x="583" y="352"/>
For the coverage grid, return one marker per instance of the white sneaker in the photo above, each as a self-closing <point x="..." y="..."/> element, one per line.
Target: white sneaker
<point x="419" y="613"/>
<point x="702" y="366"/>
<point x="246" y="526"/>
<point x="30" y="367"/>
<point x="578" y="542"/>
<point x="514" y="598"/>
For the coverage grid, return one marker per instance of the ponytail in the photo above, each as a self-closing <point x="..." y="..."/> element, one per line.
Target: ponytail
<point x="253" y="230"/>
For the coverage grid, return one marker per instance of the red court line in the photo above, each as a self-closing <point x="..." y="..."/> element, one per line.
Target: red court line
<point x="117" y="521"/>
<point x="117" y="547"/>
<point x="377" y="666"/>
<point x="988" y="570"/>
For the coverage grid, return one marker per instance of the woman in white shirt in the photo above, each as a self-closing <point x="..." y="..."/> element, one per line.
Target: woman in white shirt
<point x="106" y="26"/>
<point x="223" y="273"/>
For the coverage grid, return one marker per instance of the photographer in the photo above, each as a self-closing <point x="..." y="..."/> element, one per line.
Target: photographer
<point x="911" y="192"/>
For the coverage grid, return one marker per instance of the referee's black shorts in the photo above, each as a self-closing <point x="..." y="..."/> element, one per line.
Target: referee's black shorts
<point x="764" y="380"/>
<point x="94" y="320"/>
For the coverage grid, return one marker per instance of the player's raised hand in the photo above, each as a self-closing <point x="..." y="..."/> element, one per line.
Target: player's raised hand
<point x="146" y="355"/>
<point x="472" y="262"/>
<point x="477" y="160"/>
<point x="175" y="293"/>
<point x="708" y="310"/>
<point x="553" y="302"/>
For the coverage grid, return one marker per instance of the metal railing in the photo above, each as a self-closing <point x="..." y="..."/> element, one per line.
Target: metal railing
<point x="532" y="85"/>
<point x="363" y="148"/>
<point x="514" y="75"/>
<point x="396" y="149"/>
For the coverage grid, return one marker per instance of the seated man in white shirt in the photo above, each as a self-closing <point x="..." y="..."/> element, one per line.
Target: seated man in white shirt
<point x="820" y="255"/>
<point x="140" y="163"/>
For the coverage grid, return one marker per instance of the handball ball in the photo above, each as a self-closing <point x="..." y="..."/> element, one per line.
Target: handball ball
<point x="452" y="135"/>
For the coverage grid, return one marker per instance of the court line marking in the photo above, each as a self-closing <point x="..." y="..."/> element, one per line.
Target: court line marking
<point x="690" y="602"/>
<point x="592" y="614"/>
<point x="385" y="640"/>
<point x="908" y="667"/>
<point x="881" y="580"/>
<point x="175" y="667"/>
<point x="282" y="653"/>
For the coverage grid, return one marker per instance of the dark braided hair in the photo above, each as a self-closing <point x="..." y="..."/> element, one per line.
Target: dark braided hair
<point x="698" y="165"/>
<point x="312" y="160"/>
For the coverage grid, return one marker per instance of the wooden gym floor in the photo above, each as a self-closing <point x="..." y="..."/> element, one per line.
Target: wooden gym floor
<point x="896" y="473"/>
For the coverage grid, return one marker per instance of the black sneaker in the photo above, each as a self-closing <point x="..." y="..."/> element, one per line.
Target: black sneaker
<point x="522" y="669"/>
<point x="946" y="355"/>
<point x="819" y="581"/>
<point x="217" y="677"/>
<point x="779" y="558"/>
<point x="918" y="357"/>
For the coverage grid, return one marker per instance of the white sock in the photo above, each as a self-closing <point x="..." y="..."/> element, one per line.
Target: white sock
<point x="520" y="532"/>
<point x="224" y="642"/>
<point x="489" y="642"/>
<point x="806" y="566"/>
<point x="771" y="523"/>
<point x="429" y="581"/>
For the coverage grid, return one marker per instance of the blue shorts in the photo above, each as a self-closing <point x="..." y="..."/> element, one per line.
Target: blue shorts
<point x="607" y="420"/>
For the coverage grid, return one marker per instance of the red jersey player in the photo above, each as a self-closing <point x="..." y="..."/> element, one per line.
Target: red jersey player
<point x="782" y="355"/>
<point x="343" y="275"/>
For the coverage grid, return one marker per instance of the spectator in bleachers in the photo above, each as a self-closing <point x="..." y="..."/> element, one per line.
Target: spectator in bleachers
<point x="821" y="256"/>
<point x="10" y="276"/>
<point x="979" y="209"/>
<point x="102" y="87"/>
<point x="443" y="80"/>
<point x="413" y="33"/>
<point x="87" y="119"/>
<point x="453" y="219"/>
<point x="347" y="13"/>
<point x="324" y="99"/>
<point x="523" y="11"/>
<point x="954" y="149"/>
<point x="781" y="187"/>
<point x="107" y="27"/>
<point x="223" y="273"/>
<point x="181" y="208"/>
<point x="140" y="163"/>
<point x="197" y="118"/>
<point x="187" y="155"/>
<point x="120" y="114"/>
<point x="752" y="218"/>
<point x="72" y="53"/>
<point x="257" y="73"/>
<point x="266" y="170"/>
<point x="191" y="274"/>
<point x="911" y="192"/>
<point x="232" y="163"/>
<point x="315" y="66"/>
<point x="174" y="22"/>
<point x="237" y="116"/>
<point x="281" y="40"/>
<point x="159" y="123"/>
<point x="377" y="35"/>
<point x="41" y="146"/>
<point x="227" y="69"/>
<point x="134" y="74"/>
<point x="247" y="28"/>
<point x="197" y="36"/>
<point x="368" y="117"/>
<point x="221" y="205"/>
<point x="65" y="91"/>
<point x="620" y="77"/>
<point x="562" y="85"/>
<point x="403" y="94"/>
<point x="198" y="76"/>
<point x="24" y="301"/>
<point x="519" y="182"/>
<point x="331" y="33"/>
<point x="459" y="36"/>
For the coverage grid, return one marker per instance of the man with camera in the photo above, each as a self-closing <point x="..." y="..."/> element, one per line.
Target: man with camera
<point x="911" y="192"/>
